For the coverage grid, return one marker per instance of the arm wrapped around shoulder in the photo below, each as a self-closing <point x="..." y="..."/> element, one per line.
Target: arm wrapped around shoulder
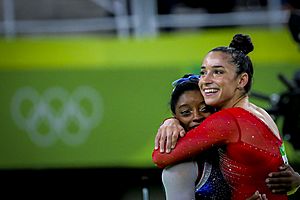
<point x="218" y="129"/>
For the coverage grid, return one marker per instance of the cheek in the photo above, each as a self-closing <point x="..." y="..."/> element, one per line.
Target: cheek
<point x="199" y="83"/>
<point x="185" y="121"/>
<point x="205" y="115"/>
<point x="228" y="85"/>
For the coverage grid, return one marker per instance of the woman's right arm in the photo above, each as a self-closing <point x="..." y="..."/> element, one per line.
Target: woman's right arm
<point x="218" y="129"/>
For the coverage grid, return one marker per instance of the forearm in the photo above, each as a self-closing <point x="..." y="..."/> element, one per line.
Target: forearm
<point x="199" y="139"/>
<point x="177" y="155"/>
<point x="188" y="147"/>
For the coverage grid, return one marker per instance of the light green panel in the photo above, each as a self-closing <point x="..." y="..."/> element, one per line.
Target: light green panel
<point x="173" y="50"/>
<point x="132" y="104"/>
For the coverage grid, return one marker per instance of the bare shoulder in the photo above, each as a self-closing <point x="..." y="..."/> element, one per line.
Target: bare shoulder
<point x="259" y="112"/>
<point x="265" y="117"/>
<point x="262" y="111"/>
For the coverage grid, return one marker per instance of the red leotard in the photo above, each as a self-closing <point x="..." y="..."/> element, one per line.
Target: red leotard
<point x="249" y="150"/>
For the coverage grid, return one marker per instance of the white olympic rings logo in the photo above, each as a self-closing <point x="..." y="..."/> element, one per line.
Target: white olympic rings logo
<point x="58" y="110"/>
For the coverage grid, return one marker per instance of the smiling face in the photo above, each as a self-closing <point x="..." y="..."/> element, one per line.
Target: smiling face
<point x="190" y="109"/>
<point x="220" y="85"/>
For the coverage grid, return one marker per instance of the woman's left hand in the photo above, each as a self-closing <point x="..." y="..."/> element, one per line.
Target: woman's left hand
<point x="284" y="181"/>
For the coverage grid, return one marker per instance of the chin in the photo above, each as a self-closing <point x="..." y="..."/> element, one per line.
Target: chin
<point x="211" y="102"/>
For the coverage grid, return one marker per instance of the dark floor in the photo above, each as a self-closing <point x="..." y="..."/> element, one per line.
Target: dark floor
<point x="100" y="183"/>
<point x="96" y="183"/>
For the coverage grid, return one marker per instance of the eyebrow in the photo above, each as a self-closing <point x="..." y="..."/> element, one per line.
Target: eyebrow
<point x="216" y="66"/>
<point x="186" y="104"/>
<point x="182" y="105"/>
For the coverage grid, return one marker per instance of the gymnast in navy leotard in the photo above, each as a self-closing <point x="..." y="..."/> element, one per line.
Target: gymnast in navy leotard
<point x="188" y="107"/>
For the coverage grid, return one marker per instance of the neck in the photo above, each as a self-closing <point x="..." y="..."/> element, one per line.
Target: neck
<point x="240" y="101"/>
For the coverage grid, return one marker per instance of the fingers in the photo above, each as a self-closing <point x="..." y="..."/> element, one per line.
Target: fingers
<point x="281" y="180"/>
<point x="284" y="186"/>
<point x="279" y="185"/>
<point x="171" y="140"/>
<point x="279" y="191"/>
<point x="284" y="167"/>
<point x="162" y="142"/>
<point x="280" y="174"/>
<point x="264" y="197"/>
<point x="167" y="135"/>
<point x="257" y="196"/>
<point x="182" y="132"/>
<point x="166" y="138"/>
<point x="157" y="139"/>
<point x="174" y="140"/>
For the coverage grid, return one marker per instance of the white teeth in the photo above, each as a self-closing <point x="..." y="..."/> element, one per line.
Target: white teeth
<point x="210" y="90"/>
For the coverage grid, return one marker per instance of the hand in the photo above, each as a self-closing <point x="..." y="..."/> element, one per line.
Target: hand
<point x="283" y="181"/>
<point x="257" y="196"/>
<point x="168" y="134"/>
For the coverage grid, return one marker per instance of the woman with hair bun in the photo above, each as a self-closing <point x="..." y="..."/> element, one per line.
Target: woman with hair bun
<point x="249" y="143"/>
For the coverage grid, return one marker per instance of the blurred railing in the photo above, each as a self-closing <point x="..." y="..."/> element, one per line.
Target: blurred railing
<point x="125" y="18"/>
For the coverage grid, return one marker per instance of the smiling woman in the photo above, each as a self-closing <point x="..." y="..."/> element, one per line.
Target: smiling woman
<point x="201" y="177"/>
<point x="224" y="66"/>
<point x="248" y="141"/>
<point x="187" y="103"/>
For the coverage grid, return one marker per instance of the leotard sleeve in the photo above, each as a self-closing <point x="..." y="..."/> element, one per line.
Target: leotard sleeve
<point x="218" y="129"/>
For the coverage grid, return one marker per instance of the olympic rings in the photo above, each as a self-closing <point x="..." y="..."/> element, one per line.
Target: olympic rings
<point x="58" y="111"/>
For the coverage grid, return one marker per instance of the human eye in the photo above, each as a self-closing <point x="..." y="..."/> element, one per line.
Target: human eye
<point x="185" y="113"/>
<point x="218" y="71"/>
<point x="203" y="72"/>
<point x="204" y="109"/>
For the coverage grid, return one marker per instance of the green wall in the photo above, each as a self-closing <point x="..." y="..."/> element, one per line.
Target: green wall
<point x="127" y="82"/>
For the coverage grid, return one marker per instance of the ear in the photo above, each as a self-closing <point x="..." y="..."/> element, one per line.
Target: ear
<point x="243" y="80"/>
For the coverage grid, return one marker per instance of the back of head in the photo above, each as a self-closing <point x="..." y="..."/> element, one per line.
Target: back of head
<point x="239" y="48"/>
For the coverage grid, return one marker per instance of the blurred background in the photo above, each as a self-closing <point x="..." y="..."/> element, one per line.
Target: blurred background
<point x="85" y="84"/>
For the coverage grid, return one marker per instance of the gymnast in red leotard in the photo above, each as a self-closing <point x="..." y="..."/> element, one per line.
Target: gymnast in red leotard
<point x="248" y="138"/>
<point x="249" y="150"/>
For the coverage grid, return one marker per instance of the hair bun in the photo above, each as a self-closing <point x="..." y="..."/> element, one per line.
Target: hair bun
<point x="242" y="42"/>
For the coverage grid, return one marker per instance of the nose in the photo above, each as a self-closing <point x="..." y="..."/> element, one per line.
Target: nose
<point x="197" y="116"/>
<point x="207" y="78"/>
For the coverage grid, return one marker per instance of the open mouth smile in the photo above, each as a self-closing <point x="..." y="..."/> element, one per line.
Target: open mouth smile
<point x="210" y="91"/>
